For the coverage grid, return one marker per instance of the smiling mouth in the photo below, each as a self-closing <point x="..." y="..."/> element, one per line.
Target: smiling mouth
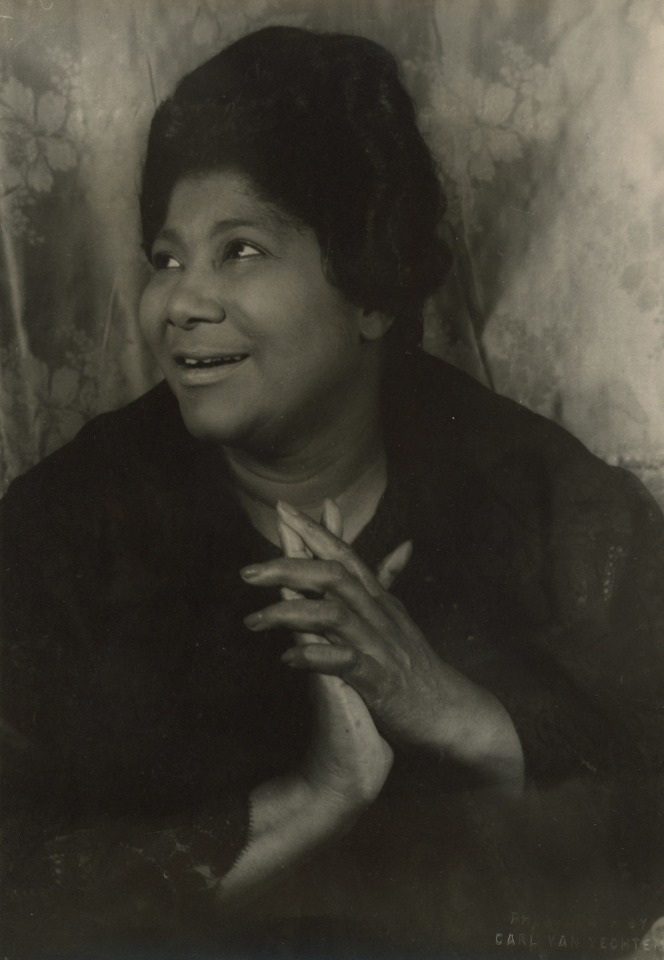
<point x="205" y="363"/>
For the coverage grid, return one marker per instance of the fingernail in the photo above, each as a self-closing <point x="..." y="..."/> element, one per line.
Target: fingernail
<point x="286" y="508"/>
<point x="253" y="621"/>
<point x="248" y="573"/>
<point x="402" y="553"/>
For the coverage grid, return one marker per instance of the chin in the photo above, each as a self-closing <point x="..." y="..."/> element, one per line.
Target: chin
<point x="209" y="428"/>
<point x="228" y="425"/>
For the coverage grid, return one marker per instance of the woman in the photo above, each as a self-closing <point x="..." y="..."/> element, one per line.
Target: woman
<point x="442" y="695"/>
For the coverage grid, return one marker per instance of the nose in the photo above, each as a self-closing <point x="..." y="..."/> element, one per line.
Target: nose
<point x="195" y="301"/>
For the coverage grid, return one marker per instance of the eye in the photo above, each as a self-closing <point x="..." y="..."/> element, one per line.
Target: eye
<point x="165" y="261"/>
<point x="241" y="250"/>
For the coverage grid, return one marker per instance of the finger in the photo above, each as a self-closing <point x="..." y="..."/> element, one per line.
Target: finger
<point x="332" y="519"/>
<point x="334" y="620"/>
<point x="328" y="578"/>
<point x="359" y="670"/>
<point x="293" y="546"/>
<point x="326" y="546"/>
<point x="291" y="543"/>
<point x="391" y="566"/>
<point x="288" y="594"/>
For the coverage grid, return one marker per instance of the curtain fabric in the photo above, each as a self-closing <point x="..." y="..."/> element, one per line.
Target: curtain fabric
<point x="544" y="116"/>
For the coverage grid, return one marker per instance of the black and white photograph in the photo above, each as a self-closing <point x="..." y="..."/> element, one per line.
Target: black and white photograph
<point x="332" y="478"/>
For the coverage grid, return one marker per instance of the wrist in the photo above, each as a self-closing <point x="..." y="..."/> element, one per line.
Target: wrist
<point x="344" y="795"/>
<point x="477" y="732"/>
<point x="290" y="819"/>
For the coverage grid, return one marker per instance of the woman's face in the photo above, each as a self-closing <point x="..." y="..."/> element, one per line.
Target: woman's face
<point x="258" y="347"/>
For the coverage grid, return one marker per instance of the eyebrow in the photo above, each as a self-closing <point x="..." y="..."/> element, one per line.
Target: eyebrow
<point x="223" y="226"/>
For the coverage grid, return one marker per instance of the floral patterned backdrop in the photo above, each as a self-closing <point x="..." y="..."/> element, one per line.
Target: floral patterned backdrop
<point x="545" y="116"/>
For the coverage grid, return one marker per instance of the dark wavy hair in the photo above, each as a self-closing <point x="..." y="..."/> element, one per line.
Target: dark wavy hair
<point x="322" y="126"/>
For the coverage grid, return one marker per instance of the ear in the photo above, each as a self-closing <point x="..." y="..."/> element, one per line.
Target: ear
<point x="374" y="324"/>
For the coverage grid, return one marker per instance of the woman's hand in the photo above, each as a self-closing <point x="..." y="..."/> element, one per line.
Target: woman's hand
<point x="294" y="815"/>
<point x="415" y="698"/>
<point x="348" y="760"/>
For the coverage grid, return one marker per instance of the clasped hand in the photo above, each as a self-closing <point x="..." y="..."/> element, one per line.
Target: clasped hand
<point x="374" y="645"/>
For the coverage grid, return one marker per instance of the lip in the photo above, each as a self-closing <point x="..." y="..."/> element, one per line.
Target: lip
<point x="199" y="376"/>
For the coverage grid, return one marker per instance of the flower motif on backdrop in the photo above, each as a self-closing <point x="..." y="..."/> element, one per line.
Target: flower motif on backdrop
<point x="36" y="146"/>
<point x="37" y="141"/>
<point x="546" y="121"/>
<point x="476" y="124"/>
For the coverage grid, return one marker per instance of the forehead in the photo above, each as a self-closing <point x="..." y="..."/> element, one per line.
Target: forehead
<point x="209" y="202"/>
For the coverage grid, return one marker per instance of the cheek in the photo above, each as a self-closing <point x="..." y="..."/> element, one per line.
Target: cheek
<point x="151" y="310"/>
<point x="321" y="320"/>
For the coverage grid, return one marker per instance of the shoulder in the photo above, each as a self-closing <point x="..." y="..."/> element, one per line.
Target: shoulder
<point x="501" y="440"/>
<point x="490" y="426"/>
<point x="112" y="456"/>
<point x="528" y="488"/>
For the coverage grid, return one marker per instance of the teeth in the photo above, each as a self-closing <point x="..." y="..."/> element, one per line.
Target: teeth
<point x="209" y="361"/>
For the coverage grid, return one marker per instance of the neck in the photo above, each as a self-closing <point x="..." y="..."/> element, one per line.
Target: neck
<point x="344" y="462"/>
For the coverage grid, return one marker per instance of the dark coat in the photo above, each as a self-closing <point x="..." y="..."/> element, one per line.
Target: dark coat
<point x="140" y="713"/>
